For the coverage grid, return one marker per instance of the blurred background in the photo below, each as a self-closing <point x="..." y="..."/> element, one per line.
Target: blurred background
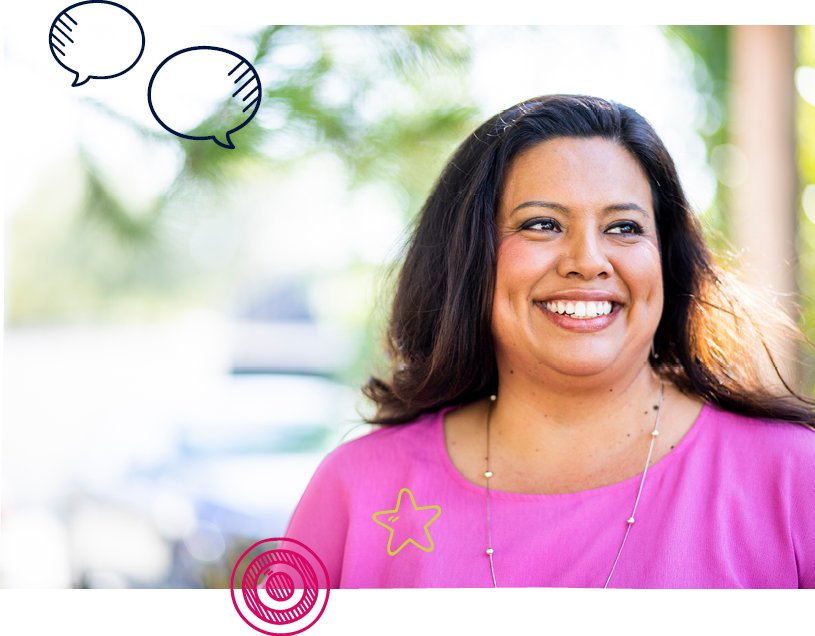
<point x="187" y="327"/>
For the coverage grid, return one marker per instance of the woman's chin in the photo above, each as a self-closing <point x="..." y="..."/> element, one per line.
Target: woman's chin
<point x="578" y="367"/>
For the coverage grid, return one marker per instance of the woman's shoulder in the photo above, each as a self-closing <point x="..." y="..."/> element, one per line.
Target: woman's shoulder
<point x="390" y="445"/>
<point x="759" y="441"/>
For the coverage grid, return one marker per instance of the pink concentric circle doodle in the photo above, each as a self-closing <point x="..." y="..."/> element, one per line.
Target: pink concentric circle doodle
<point x="284" y="586"/>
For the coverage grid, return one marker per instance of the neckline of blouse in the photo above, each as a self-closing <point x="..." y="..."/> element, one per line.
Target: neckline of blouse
<point x="654" y="470"/>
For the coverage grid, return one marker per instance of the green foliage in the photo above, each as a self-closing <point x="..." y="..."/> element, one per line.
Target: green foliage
<point x="387" y="101"/>
<point x="805" y="240"/>
<point x="322" y="102"/>
<point x="102" y="206"/>
<point x="710" y="47"/>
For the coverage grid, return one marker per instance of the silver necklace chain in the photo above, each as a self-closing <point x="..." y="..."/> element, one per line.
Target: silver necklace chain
<point x="630" y="521"/>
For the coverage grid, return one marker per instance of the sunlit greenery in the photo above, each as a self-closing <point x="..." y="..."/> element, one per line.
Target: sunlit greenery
<point x="389" y="102"/>
<point x="710" y="47"/>
<point x="806" y="226"/>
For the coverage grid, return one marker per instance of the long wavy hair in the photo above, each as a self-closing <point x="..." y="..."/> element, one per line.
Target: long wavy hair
<point x="716" y="337"/>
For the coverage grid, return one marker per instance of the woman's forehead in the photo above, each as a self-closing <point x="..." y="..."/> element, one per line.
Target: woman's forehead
<point x="577" y="173"/>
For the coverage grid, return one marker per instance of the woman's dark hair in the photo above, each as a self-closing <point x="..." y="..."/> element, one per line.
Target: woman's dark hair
<point x="712" y="340"/>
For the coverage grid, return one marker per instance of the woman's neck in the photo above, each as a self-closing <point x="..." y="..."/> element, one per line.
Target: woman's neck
<point x="573" y="419"/>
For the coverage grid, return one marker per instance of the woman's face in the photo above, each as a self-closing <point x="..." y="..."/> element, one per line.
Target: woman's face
<point x="577" y="234"/>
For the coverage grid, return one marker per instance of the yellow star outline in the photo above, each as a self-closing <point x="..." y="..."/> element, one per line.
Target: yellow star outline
<point x="396" y="512"/>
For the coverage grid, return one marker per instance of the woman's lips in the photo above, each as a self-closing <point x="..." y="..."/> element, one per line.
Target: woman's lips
<point x="581" y="324"/>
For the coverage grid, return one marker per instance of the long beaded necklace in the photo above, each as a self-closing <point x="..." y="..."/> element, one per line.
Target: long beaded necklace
<point x="630" y="520"/>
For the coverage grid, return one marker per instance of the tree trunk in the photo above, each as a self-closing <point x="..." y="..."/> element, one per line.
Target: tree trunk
<point x="765" y="188"/>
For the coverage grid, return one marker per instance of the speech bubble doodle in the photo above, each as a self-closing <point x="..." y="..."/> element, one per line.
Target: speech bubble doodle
<point x="96" y="39"/>
<point x="195" y="83"/>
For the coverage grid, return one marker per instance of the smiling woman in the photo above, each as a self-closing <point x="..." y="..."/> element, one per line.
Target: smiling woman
<point x="578" y="393"/>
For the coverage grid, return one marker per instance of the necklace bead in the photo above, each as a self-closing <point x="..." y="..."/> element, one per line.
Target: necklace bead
<point x="489" y="551"/>
<point x="488" y="474"/>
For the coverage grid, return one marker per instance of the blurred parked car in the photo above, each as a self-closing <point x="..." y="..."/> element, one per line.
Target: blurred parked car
<point x="227" y="465"/>
<point x="196" y="478"/>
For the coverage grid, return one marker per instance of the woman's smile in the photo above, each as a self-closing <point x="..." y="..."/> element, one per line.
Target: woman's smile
<point x="580" y="316"/>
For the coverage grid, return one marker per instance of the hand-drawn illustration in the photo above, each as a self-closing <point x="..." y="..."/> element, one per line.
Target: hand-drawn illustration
<point x="404" y="522"/>
<point x="284" y="585"/>
<point x="204" y="83"/>
<point x="96" y="39"/>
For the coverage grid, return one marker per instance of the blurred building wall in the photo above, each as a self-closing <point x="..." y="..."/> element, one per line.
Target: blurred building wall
<point x="763" y="129"/>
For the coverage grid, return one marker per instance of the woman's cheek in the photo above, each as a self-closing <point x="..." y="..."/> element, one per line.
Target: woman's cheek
<point x="521" y="259"/>
<point x="641" y="271"/>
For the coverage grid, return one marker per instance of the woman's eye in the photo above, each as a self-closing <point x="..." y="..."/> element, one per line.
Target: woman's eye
<point x="625" y="228"/>
<point x="550" y="225"/>
<point x="540" y="225"/>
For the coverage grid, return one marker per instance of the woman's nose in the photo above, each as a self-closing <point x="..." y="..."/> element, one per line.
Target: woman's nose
<point x="584" y="255"/>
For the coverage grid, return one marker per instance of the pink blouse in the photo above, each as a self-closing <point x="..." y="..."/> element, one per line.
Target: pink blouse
<point x="732" y="506"/>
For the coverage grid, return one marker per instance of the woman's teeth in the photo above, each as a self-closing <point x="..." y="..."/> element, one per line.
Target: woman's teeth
<point x="580" y="309"/>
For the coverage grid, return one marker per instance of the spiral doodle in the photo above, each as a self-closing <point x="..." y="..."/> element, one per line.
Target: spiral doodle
<point x="280" y="573"/>
<point x="262" y="567"/>
<point x="280" y="586"/>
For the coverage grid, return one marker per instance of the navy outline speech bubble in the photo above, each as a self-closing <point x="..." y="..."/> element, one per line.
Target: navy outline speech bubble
<point x="214" y="138"/>
<point x="90" y="77"/>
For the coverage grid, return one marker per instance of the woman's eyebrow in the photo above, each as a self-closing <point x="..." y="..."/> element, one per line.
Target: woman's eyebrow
<point x="616" y="207"/>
